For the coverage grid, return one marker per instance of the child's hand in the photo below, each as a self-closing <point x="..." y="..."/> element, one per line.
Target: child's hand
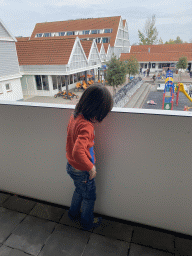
<point x="92" y="173"/>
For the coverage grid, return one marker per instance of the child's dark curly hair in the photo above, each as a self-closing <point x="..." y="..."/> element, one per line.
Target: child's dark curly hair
<point x="95" y="103"/>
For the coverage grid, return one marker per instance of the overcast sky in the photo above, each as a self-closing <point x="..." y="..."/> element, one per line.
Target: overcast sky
<point x="173" y="17"/>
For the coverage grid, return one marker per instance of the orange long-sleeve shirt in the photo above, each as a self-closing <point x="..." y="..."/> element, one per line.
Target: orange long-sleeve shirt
<point x="80" y="140"/>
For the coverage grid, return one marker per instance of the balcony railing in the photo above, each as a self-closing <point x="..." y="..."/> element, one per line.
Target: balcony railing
<point x="143" y="161"/>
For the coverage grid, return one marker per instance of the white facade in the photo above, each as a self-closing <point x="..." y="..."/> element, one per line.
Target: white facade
<point x="47" y="80"/>
<point x="122" y="40"/>
<point x="10" y="85"/>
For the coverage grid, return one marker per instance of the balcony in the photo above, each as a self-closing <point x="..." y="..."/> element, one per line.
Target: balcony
<point x="143" y="160"/>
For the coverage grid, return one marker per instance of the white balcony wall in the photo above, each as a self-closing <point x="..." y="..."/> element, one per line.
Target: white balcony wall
<point x="143" y="161"/>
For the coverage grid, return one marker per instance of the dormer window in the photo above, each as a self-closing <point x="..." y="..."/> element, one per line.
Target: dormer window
<point x="108" y="30"/>
<point x="47" y="34"/>
<point x="85" y="32"/>
<point x="39" y="35"/>
<point x="94" y="31"/>
<point x="70" y="33"/>
<point x="61" y="33"/>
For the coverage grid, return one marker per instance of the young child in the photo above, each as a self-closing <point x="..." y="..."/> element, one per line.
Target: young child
<point x="94" y="105"/>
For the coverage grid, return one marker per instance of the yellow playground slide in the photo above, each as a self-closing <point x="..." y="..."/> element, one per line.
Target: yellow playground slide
<point x="181" y="89"/>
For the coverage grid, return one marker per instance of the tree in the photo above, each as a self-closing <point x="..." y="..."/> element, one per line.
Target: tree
<point x="132" y="66"/>
<point x="149" y="36"/>
<point x="160" y="41"/>
<point x="116" y="72"/>
<point x="176" y="41"/>
<point x="182" y="64"/>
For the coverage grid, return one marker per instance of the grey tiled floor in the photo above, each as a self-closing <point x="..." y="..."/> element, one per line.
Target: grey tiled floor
<point x="32" y="227"/>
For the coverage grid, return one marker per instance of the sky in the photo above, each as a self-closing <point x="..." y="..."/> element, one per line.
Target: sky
<point x="173" y="17"/>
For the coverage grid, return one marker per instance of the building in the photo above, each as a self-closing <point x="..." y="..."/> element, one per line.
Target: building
<point x="10" y="84"/>
<point x="53" y="64"/>
<point x="58" y="54"/>
<point x="157" y="57"/>
<point x="113" y="30"/>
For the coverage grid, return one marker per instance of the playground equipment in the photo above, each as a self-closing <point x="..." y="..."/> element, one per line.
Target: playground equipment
<point x="168" y="95"/>
<point x="170" y="89"/>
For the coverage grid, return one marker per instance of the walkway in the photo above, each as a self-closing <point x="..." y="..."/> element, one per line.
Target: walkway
<point x="32" y="227"/>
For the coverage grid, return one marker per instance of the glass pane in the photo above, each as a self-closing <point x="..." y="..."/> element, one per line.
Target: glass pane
<point x="94" y="31"/>
<point x="38" y="82"/>
<point x="54" y="80"/>
<point x="63" y="81"/>
<point x="45" y="83"/>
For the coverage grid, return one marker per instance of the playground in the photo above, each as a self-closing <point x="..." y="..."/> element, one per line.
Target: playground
<point x="169" y="95"/>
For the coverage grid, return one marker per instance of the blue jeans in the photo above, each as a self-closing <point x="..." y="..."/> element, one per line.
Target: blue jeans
<point x="83" y="198"/>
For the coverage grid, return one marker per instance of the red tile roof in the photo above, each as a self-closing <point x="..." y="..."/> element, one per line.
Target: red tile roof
<point x="81" y="24"/>
<point x="22" y="38"/>
<point x="44" y="52"/>
<point x="106" y="45"/>
<point x="99" y="47"/>
<point x="157" y="57"/>
<point x="86" y="47"/>
<point x="162" y="48"/>
<point x="159" y="53"/>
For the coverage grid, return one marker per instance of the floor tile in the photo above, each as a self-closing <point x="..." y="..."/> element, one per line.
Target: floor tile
<point x="7" y="251"/>
<point x="31" y="235"/>
<point x="153" y="238"/>
<point x="104" y="246"/>
<point x="3" y="197"/>
<point x="65" y="241"/>
<point x="183" y="247"/>
<point x="16" y="203"/>
<point x="48" y="212"/>
<point x="65" y="220"/>
<point x="114" y="230"/>
<point x="139" y="250"/>
<point x="8" y="222"/>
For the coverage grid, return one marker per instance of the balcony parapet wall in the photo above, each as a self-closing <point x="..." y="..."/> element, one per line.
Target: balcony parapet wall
<point x="143" y="161"/>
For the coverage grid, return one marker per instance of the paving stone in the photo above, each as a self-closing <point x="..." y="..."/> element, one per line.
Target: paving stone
<point x="139" y="250"/>
<point x="31" y="235"/>
<point x="65" y="241"/>
<point x="154" y="239"/>
<point x="16" y="203"/>
<point x="48" y="212"/>
<point x="8" y="222"/>
<point x="65" y="220"/>
<point x="3" y="198"/>
<point x="183" y="247"/>
<point x="114" y="230"/>
<point x="105" y="246"/>
<point x="7" y="251"/>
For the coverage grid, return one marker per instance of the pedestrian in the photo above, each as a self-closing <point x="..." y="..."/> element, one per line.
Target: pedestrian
<point x="144" y="73"/>
<point x="94" y="105"/>
<point x="148" y="72"/>
<point x="141" y="71"/>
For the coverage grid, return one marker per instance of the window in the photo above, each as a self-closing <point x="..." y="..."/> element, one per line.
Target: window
<point x="106" y="40"/>
<point x="159" y="65"/>
<point x="61" y="33"/>
<point x="47" y="34"/>
<point x="70" y="33"/>
<point x="58" y="82"/>
<point x="94" y="31"/>
<point x="85" y="32"/>
<point x="7" y="86"/>
<point x="141" y="65"/>
<point x="42" y="83"/>
<point x="145" y="65"/>
<point x="108" y="30"/>
<point x="153" y="65"/>
<point x="39" y="35"/>
<point x="1" y="89"/>
<point x="98" y="40"/>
